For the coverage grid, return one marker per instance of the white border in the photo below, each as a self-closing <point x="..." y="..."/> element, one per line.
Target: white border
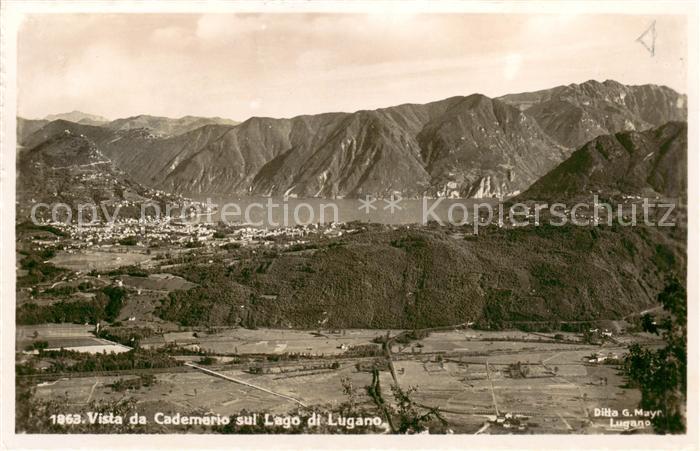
<point x="11" y="14"/>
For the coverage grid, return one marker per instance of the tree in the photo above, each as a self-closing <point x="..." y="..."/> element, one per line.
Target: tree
<point x="648" y="324"/>
<point x="413" y="417"/>
<point x="405" y="416"/>
<point x="207" y="360"/>
<point x="518" y="370"/>
<point x="349" y="391"/>
<point x="660" y="374"/>
<point x="115" y="302"/>
<point x="590" y="337"/>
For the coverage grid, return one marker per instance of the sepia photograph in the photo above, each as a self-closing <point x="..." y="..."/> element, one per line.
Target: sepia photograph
<point x="324" y="219"/>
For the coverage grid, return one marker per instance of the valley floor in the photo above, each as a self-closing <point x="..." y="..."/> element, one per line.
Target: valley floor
<point x="467" y="374"/>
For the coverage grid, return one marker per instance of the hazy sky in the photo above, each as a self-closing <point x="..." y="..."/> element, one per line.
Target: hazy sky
<point x="281" y="65"/>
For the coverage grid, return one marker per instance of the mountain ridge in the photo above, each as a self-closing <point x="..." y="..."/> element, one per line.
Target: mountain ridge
<point x="69" y="168"/>
<point x="652" y="163"/>
<point x="166" y="126"/>
<point x="463" y="146"/>
<point x="79" y="117"/>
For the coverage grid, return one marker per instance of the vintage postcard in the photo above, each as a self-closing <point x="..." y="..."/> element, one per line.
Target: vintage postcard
<point x="325" y="224"/>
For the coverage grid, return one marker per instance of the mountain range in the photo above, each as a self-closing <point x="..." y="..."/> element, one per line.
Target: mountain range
<point x="79" y="117"/>
<point x="553" y="144"/>
<point x="165" y="126"/>
<point x="468" y="146"/>
<point x="652" y="162"/>
<point x="70" y="169"/>
<point x="158" y="125"/>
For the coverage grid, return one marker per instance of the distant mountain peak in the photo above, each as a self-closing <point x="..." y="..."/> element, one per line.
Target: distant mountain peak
<point x="78" y="117"/>
<point x="166" y="126"/>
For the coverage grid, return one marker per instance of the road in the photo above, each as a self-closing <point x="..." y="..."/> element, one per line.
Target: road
<point x="493" y="392"/>
<point x="643" y="312"/>
<point x="248" y="384"/>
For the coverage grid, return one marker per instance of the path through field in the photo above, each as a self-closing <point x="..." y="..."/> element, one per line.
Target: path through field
<point x="238" y="381"/>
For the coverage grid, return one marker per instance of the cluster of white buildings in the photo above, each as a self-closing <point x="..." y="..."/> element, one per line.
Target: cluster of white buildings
<point x="168" y="231"/>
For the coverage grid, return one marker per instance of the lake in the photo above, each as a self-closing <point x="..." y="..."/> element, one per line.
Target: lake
<point x="282" y="212"/>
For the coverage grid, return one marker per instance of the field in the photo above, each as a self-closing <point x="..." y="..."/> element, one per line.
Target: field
<point x="86" y="260"/>
<point x="273" y="341"/>
<point x="44" y="331"/>
<point x="71" y="337"/>
<point x="157" y="282"/>
<point x="467" y="374"/>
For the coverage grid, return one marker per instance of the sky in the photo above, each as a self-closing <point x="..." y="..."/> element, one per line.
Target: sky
<point x="282" y="65"/>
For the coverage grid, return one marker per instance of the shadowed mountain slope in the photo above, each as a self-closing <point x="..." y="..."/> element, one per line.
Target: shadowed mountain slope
<point x="470" y="146"/>
<point x="652" y="162"/>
